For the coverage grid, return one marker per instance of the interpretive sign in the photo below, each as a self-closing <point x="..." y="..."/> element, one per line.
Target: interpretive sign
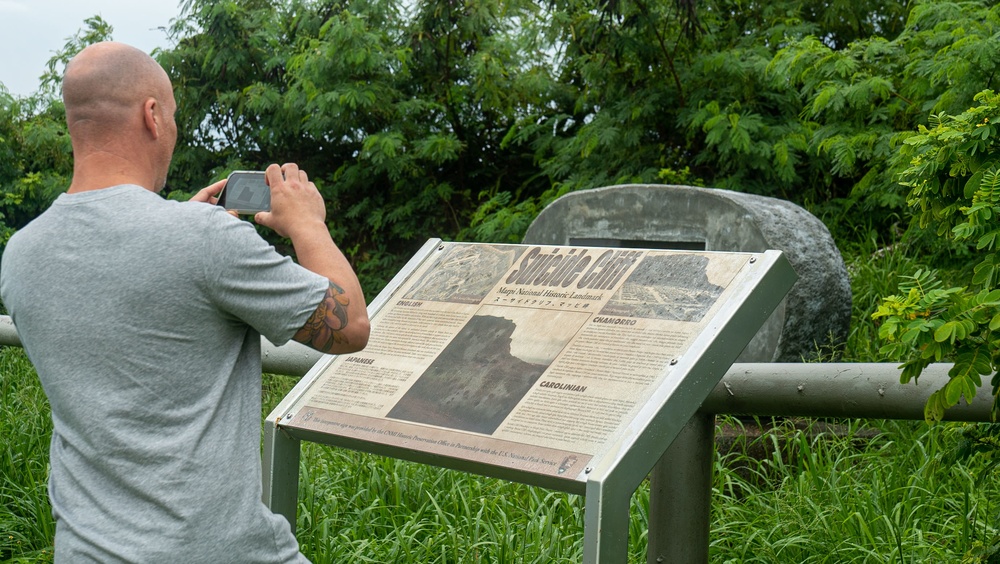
<point x="531" y="359"/>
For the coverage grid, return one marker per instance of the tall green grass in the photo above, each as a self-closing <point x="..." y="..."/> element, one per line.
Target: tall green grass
<point x="871" y="492"/>
<point x="848" y="496"/>
<point x="26" y="524"/>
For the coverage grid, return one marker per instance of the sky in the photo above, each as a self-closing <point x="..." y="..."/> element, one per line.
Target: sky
<point x="33" y="30"/>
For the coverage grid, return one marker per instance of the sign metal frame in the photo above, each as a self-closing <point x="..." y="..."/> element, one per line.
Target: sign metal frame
<point x="619" y="465"/>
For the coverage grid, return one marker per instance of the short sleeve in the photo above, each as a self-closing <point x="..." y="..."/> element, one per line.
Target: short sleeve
<point x="250" y="281"/>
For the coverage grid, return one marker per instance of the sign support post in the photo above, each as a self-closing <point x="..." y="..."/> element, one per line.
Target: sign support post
<point x="605" y="523"/>
<point x="682" y="479"/>
<point x="281" y="478"/>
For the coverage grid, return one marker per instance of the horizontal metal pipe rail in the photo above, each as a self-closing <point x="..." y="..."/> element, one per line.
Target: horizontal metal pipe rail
<point x="852" y="390"/>
<point x="849" y="390"/>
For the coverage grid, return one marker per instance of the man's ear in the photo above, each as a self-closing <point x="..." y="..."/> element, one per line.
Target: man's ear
<point x="150" y="109"/>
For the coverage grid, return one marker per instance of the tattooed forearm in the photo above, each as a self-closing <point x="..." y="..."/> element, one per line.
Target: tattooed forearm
<point x="325" y="327"/>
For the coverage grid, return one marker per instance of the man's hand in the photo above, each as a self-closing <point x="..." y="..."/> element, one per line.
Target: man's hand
<point x="297" y="207"/>
<point x="210" y="194"/>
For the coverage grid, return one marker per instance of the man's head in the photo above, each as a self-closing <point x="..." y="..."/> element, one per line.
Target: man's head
<point x="120" y="113"/>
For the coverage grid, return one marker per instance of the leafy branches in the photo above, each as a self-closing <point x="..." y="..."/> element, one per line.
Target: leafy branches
<point x="35" y="149"/>
<point x="464" y="118"/>
<point x="954" y="183"/>
<point x="399" y="116"/>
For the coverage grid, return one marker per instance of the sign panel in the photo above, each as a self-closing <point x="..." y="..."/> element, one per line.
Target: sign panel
<point x="533" y="358"/>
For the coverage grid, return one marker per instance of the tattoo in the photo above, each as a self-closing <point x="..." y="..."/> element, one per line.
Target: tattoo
<point x="325" y="326"/>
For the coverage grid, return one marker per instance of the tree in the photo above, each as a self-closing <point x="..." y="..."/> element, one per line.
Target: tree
<point x="399" y="118"/>
<point x="35" y="150"/>
<point x="806" y="101"/>
<point x="768" y="98"/>
<point x="462" y="119"/>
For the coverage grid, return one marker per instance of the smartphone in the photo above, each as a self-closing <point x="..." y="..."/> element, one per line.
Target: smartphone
<point x="246" y="192"/>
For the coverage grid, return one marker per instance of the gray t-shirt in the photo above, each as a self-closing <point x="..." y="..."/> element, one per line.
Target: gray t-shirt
<point x="143" y="318"/>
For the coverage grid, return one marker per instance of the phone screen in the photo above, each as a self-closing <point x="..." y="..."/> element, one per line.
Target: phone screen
<point x="246" y="192"/>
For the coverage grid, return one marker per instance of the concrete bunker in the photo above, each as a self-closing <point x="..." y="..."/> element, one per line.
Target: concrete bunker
<point x="816" y="312"/>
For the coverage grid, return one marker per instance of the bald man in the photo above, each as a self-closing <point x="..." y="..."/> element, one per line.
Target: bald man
<point x="143" y="318"/>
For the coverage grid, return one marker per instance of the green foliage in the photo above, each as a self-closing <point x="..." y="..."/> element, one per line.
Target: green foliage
<point x="800" y="100"/>
<point x="399" y="118"/>
<point x="35" y="150"/>
<point x="876" y="269"/>
<point x="35" y="160"/>
<point x="465" y="119"/>
<point x="954" y="183"/>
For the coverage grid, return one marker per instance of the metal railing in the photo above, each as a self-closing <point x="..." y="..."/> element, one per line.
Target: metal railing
<point x="681" y="482"/>
<point x="680" y="489"/>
